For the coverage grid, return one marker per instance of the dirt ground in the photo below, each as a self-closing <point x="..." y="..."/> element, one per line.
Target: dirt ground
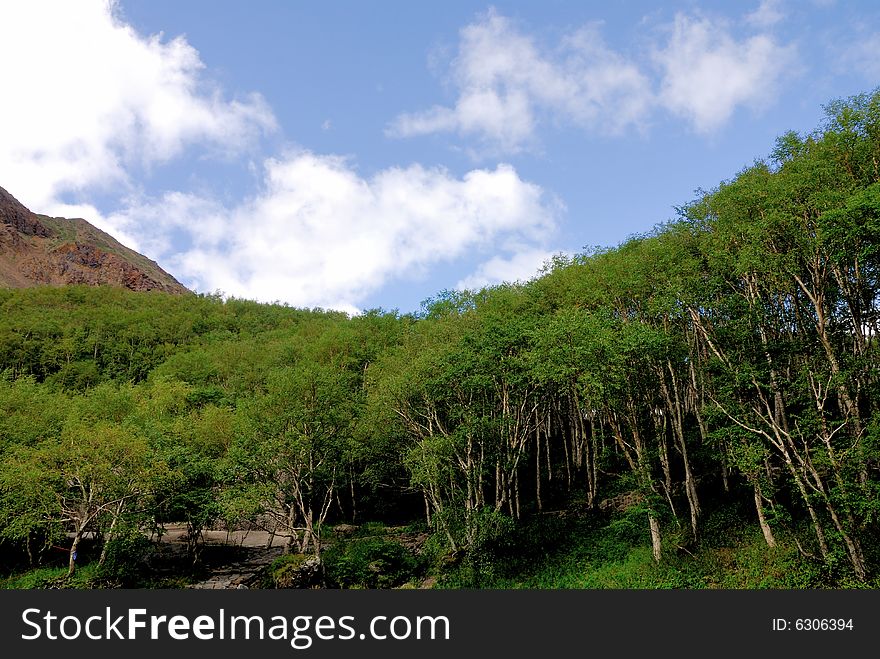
<point x="175" y="533"/>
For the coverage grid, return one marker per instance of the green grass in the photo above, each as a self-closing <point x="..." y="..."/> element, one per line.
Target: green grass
<point x="86" y="577"/>
<point x="616" y="553"/>
<point x="370" y="529"/>
<point x="52" y="577"/>
<point x="370" y="562"/>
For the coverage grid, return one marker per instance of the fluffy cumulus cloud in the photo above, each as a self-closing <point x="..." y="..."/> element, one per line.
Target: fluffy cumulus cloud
<point x="320" y="234"/>
<point x="506" y="83"/>
<point x="861" y="56"/>
<point x="768" y="13"/>
<point x="522" y="265"/>
<point x="708" y="74"/>
<point x="86" y="98"/>
<point x="92" y="105"/>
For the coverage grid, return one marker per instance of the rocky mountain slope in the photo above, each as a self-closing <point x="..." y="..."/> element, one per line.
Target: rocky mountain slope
<point x="40" y="250"/>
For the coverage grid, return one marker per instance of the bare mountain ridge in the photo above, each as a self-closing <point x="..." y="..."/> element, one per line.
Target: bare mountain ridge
<point x="40" y="250"/>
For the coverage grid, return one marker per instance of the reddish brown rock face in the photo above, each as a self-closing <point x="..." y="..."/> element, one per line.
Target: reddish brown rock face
<point x="38" y="250"/>
<point x="14" y="215"/>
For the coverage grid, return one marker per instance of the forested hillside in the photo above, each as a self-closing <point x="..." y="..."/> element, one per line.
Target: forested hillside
<point x="715" y="376"/>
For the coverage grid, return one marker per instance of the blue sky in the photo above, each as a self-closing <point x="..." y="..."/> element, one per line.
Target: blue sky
<point x="357" y="155"/>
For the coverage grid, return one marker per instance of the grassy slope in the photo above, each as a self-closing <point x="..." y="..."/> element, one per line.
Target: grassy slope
<point x="572" y="552"/>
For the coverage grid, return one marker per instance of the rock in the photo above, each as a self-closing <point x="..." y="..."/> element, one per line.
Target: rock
<point x="19" y="218"/>
<point x="299" y="571"/>
<point x="39" y="250"/>
<point x="621" y="502"/>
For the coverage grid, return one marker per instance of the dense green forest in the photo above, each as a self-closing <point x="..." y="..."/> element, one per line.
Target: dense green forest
<point x="698" y="400"/>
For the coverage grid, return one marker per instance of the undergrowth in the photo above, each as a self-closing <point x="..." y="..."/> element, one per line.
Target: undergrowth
<point x="559" y="552"/>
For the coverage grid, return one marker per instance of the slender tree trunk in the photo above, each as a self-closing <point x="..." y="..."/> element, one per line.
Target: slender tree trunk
<point x="676" y="410"/>
<point x="499" y="486"/>
<point x="567" y="462"/>
<point x="594" y="481"/>
<point x="765" y="527"/>
<point x="353" y="500"/>
<point x="516" y="493"/>
<point x="660" y="430"/>
<point x="817" y="525"/>
<point x="538" y="473"/>
<point x="655" y="537"/>
<point x="109" y="537"/>
<point x="71" y="563"/>
<point x="547" y="450"/>
<point x="589" y="453"/>
<point x="291" y="533"/>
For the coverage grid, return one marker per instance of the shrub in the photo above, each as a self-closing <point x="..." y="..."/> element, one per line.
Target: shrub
<point x="127" y="554"/>
<point x="369" y="563"/>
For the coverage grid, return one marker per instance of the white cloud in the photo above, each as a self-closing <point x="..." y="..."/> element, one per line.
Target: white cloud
<point x="507" y="84"/>
<point x="90" y="105"/>
<point x="86" y="99"/>
<point x="862" y="56"/>
<point x="708" y="74"/>
<point x="168" y="226"/>
<point x="768" y="13"/>
<point x="522" y="265"/>
<point x="320" y="234"/>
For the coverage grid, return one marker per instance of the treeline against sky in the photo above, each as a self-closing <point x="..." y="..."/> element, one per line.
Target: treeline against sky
<point x="730" y="353"/>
